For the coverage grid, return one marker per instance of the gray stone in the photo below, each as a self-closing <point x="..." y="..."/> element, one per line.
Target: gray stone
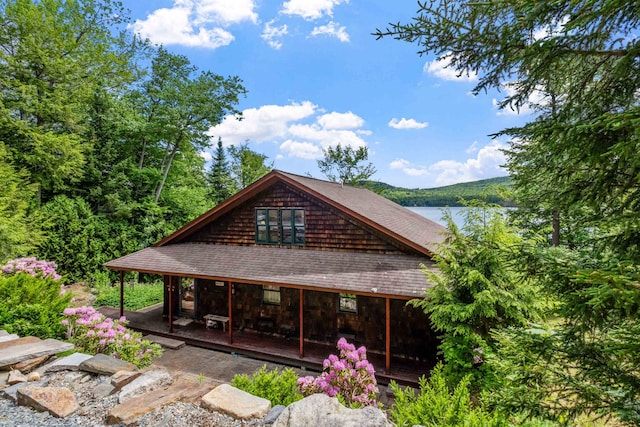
<point x="30" y="364"/>
<point x="11" y="392"/>
<point x="273" y="414"/>
<point x="236" y="403"/>
<point x="4" y="376"/>
<point x="321" y="410"/>
<point x="8" y="337"/>
<point x="122" y="378"/>
<point x="151" y="380"/>
<point x="58" y="401"/>
<point x="165" y="342"/>
<point x="68" y="363"/>
<point x="103" y="389"/>
<point x="3" y="333"/>
<point x="16" y="377"/>
<point x="19" y="353"/>
<point x="105" y="365"/>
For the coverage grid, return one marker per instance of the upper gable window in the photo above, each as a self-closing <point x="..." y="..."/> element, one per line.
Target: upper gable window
<point x="280" y="226"/>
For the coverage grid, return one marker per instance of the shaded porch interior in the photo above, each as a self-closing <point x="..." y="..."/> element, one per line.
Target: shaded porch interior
<point x="268" y="347"/>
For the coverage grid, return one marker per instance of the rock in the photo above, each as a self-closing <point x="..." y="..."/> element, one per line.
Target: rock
<point x="31" y="364"/>
<point x="105" y="365"/>
<point x="4" y="376"/>
<point x="103" y="389"/>
<point x="151" y="380"/>
<point x="236" y="403"/>
<point x="127" y="412"/>
<point x="58" y="401"/>
<point x="33" y="377"/>
<point x="8" y="337"/>
<point x="68" y="363"/>
<point x="273" y="414"/>
<point x="18" y="353"/>
<point x="16" y="377"/>
<point x="321" y="410"/>
<point x="11" y="392"/>
<point x="17" y="342"/>
<point x="122" y="378"/>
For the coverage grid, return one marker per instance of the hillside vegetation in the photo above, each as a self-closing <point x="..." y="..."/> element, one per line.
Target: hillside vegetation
<point x="493" y="190"/>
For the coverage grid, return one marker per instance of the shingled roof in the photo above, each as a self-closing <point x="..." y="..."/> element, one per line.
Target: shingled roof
<point x="381" y="214"/>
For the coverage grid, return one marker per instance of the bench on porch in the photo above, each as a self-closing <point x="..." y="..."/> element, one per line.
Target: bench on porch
<point x="212" y="319"/>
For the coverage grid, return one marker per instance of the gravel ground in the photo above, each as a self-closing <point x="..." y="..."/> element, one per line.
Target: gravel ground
<point x="93" y="411"/>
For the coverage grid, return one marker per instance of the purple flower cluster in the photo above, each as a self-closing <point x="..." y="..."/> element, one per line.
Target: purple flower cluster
<point x="349" y="376"/>
<point x="92" y="332"/>
<point x="32" y="266"/>
<point x="477" y="356"/>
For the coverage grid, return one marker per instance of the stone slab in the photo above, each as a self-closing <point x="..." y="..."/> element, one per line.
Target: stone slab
<point x="11" y="392"/>
<point x="68" y="363"/>
<point x="58" y="401"/>
<point x="20" y="341"/>
<point x="3" y="333"/>
<point x="30" y="364"/>
<point x="105" y="365"/>
<point x="236" y="403"/>
<point x="149" y="381"/>
<point x="183" y="321"/>
<point x="122" y="378"/>
<point x="19" y="353"/>
<point x="5" y="338"/>
<point x="165" y="342"/>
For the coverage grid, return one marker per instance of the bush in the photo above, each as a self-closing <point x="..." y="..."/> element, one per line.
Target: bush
<point x="280" y="388"/>
<point x="435" y="405"/>
<point x="91" y="332"/>
<point x="32" y="305"/>
<point x="135" y="296"/>
<point x="350" y="378"/>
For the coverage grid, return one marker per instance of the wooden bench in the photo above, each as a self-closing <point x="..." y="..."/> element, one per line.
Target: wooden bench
<point x="210" y="318"/>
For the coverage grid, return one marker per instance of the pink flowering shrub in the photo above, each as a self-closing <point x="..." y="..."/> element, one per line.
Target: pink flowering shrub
<point x="349" y="377"/>
<point x="92" y="332"/>
<point x="33" y="267"/>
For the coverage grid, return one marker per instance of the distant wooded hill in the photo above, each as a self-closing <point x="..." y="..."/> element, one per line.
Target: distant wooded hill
<point x="490" y="190"/>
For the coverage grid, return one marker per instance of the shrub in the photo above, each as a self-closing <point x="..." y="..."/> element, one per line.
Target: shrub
<point x="349" y="377"/>
<point x="135" y="297"/>
<point x="33" y="267"/>
<point x="436" y="405"/>
<point x="32" y="305"/>
<point x="280" y="388"/>
<point x="93" y="333"/>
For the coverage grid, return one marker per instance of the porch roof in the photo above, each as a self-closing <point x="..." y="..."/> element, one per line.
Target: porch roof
<point x="359" y="273"/>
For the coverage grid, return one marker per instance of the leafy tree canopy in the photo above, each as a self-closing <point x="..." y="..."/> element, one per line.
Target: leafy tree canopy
<point x="343" y="164"/>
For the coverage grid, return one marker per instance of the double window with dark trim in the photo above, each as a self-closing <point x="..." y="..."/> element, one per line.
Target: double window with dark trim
<point x="280" y="226"/>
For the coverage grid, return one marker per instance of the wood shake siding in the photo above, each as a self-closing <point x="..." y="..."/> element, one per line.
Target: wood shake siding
<point x="325" y="228"/>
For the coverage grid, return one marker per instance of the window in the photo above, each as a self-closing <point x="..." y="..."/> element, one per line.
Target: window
<point x="280" y="226"/>
<point x="348" y="303"/>
<point x="271" y="294"/>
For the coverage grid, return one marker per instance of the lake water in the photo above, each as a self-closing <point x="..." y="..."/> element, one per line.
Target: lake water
<point x="435" y="213"/>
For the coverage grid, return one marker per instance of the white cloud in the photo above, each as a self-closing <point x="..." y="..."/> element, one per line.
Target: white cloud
<point x="442" y="68"/>
<point x="407" y="124"/>
<point x="206" y="156"/>
<point x="487" y="164"/>
<point x="272" y="35"/>
<point x="331" y="30"/>
<point x="198" y="23"/>
<point x="406" y="167"/>
<point x="265" y="123"/>
<point x="335" y="120"/>
<point x="303" y="150"/>
<point x="472" y="148"/>
<point x="310" y="9"/>
<point x="327" y="137"/>
<point x="536" y="98"/>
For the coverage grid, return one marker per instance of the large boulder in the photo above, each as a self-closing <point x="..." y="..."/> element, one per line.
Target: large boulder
<point x="58" y="401"/>
<point x="235" y="402"/>
<point x="149" y="381"/>
<point x="320" y="410"/>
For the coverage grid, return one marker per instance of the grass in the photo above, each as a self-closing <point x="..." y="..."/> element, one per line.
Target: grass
<point x="136" y="296"/>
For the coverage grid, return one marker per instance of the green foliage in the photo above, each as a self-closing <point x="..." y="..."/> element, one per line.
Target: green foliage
<point x="477" y="289"/>
<point x="278" y="387"/>
<point x="32" y="306"/>
<point x="436" y="405"/>
<point x="493" y="191"/>
<point x="247" y="166"/>
<point x="221" y="185"/>
<point x="136" y="295"/>
<point x="342" y="164"/>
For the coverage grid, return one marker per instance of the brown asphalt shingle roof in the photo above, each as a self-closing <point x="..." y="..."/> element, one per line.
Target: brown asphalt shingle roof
<point x="360" y="273"/>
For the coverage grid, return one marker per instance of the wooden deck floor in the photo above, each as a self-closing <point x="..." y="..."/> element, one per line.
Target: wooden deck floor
<point x="264" y="347"/>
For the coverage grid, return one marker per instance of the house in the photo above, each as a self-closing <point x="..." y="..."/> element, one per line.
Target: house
<point x="304" y="260"/>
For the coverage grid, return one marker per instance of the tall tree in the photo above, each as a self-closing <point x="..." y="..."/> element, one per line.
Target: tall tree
<point x="247" y="166"/>
<point x="180" y="106"/>
<point x="54" y="54"/>
<point x="343" y="164"/>
<point x="580" y="153"/>
<point x="220" y="181"/>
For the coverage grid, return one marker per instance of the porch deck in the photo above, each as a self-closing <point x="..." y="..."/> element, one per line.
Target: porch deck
<point x="265" y="347"/>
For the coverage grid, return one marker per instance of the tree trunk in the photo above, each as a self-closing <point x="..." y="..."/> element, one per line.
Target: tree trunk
<point x="555" y="224"/>
<point x="165" y="173"/>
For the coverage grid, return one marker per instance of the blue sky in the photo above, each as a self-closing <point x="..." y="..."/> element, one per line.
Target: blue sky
<point x="317" y="77"/>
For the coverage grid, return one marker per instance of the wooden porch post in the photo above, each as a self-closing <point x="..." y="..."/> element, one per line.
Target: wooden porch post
<point x="387" y="350"/>
<point x="230" y="339"/>
<point x="301" y="323"/>
<point x="170" y="304"/>
<point x="121" y="293"/>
